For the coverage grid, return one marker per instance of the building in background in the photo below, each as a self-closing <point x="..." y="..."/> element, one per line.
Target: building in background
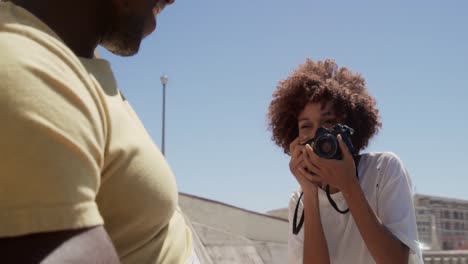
<point x="442" y="222"/>
<point x="427" y="230"/>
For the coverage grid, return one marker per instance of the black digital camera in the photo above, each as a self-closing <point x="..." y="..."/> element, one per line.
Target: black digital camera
<point x="325" y="144"/>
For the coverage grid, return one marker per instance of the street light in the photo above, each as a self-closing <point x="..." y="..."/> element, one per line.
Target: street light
<point x="164" y="80"/>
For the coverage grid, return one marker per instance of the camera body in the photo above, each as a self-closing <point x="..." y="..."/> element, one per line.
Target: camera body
<point x="325" y="144"/>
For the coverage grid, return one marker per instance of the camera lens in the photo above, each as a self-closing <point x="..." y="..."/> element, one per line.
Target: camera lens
<point x="326" y="146"/>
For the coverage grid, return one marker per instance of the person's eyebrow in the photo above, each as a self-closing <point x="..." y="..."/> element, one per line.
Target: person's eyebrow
<point x="303" y="119"/>
<point x="328" y="113"/>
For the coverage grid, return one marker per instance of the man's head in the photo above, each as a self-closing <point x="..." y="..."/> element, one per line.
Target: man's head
<point x="126" y="22"/>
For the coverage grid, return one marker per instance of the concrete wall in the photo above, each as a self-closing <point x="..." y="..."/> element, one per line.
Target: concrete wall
<point x="224" y="234"/>
<point x="227" y="248"/>
<point x="281" y="213"/>
<point x="234" y="220"/>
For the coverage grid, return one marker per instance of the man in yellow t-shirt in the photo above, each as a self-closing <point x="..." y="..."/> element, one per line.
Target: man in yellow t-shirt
<point x="80" y="179"/>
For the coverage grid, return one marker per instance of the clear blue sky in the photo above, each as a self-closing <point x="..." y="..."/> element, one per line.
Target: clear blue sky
<point x="224" y="59"/>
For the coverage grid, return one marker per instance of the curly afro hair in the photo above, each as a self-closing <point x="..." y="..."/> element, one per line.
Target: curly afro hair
<point x="323" y="82"/>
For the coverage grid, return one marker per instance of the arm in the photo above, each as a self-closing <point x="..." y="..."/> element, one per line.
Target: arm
<point x="90" y="245"/>
<point x="315" y="244"/>
<point x="52" y="151"/>
<point x="315" y="249"/>
<point x="382" y="244"/>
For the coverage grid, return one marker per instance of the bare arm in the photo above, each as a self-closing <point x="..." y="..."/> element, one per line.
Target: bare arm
<point x="382" y="244"/>
<point x="315" y="244"/>
<point x="90" y="245"/>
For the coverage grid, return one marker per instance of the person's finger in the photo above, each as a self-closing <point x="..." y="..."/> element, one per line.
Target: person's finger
<point x="310" y="177"/>
<point x="294" y="152"/>
<point x="308" y="162"/>
<point x="298" y="151"/>
<point x="313" y="157"/>
<point x="297" y="170"/>
<point x="293" y="145"/>
<point x="344" y="149"/>
<point x="295" y="164"/>
<point x="298" y="162"/>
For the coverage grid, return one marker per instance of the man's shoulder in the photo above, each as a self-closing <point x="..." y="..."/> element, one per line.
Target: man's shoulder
<point x="21" y="50"/>
<point x="43" y="72"/>
<point x="37" y="60"/>
<point x="25" y="41"/>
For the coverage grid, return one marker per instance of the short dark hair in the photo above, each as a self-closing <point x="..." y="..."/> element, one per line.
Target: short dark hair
<point x="323" y="82"/>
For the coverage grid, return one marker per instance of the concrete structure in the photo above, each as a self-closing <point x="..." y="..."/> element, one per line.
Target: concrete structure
<point x="281" y="213"/>
<point x="225" y="234"/>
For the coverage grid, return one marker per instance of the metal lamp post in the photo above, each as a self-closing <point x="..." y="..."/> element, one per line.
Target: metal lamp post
<point x="164" y="80"/>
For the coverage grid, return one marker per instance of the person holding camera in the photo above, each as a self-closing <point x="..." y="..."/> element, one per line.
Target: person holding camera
<point x="351" y="207"/>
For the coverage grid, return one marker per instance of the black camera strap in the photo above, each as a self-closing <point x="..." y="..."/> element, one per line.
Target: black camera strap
<point x="297" y="227"/>
<point x="332" y="202"/>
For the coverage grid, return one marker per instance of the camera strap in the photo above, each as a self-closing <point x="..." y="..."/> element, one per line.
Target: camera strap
<point x="297" y="226"/>
<point x="357" y="158"/>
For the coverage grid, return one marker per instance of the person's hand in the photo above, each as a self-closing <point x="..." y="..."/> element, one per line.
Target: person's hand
<point x="298" y="167"/>
<point x="340" y="174"/>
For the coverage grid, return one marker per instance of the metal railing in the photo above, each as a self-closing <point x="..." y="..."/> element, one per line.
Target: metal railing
<point x="446" y="257"/>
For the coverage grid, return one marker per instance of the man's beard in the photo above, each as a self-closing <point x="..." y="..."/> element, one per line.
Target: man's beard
<point x="123" y="37"/>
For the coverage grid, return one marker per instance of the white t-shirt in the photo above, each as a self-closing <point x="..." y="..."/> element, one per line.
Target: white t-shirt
<point x="387" y="186"/>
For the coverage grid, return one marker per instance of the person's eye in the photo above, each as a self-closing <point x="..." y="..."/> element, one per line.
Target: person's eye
<point x="305" y="126"/>
<point x="330" y="121"/>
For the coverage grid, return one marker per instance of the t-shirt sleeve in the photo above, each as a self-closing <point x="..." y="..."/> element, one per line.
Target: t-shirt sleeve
<point x="395" y="206"/>
<point x="295" y="242"/>
<point x="51" y="145"/>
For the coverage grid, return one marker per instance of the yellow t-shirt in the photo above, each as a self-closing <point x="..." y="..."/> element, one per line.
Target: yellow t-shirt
<point x="73" y="154"/>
